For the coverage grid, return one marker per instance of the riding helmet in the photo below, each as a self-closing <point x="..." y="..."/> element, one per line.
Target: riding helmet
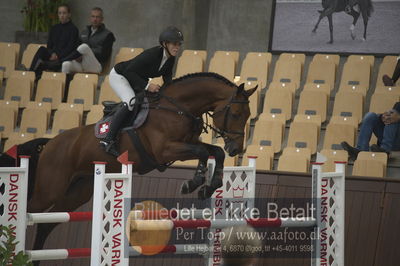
<point x="171" y="34"/>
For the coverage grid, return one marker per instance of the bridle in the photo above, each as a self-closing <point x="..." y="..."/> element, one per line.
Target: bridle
<point x="199" y="121"/>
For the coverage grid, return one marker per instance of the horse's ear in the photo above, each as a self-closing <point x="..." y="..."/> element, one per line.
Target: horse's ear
<point x="249" y="92"/>
<point x="240" y="89"/>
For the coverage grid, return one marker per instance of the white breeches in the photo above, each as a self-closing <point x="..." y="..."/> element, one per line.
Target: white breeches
<point x="89" y="62"/>
<point x="122" y="88"/>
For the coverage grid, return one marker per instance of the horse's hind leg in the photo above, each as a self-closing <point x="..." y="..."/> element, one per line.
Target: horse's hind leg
<point x="355" y="16"/>
<point x="330" y="29"/>
<point x="316" y="25"/>
<point x="78" y="194"/>
<point x="206" y="191"/>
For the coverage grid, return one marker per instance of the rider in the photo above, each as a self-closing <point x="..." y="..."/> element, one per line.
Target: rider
<point x="131" y="77"/>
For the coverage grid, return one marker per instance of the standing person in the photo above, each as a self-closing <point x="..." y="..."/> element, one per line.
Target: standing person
<point x="96" y="47"/>
<point x="396" y="74"/>
<point x="386" y="128"/>
<point x="131" y="77"/>
<point x="63" y="39"/>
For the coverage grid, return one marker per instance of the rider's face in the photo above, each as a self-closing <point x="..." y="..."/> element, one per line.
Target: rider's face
<point x="173" y="47"/>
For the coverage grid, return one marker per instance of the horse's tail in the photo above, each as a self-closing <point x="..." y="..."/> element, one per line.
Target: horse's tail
<point x="31" y="148"/>
<point x="370" y="7"/>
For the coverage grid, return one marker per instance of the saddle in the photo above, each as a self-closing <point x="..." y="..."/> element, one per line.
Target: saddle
<point x="137" y="119"/>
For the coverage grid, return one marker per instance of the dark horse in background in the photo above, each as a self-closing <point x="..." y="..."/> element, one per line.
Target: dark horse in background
<point x="64" y="171"/>
<point x="349" y="6"/>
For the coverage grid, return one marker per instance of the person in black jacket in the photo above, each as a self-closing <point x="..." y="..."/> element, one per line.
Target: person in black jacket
<point x="96" y="47"/>
<point x="63" y="39"/>
<point x="130" y="77"/>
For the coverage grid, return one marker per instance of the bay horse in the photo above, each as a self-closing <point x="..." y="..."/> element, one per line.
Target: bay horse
<point x="64" y="174"/>
<point x="331" y="6"/>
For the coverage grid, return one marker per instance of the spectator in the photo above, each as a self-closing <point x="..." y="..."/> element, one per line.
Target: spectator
<point x="63" y="39"/>
<point x="396" y="74"/>
<point x="386" y="128"/>
<point x="236" y="245"/>
<point x="96" y="47"/>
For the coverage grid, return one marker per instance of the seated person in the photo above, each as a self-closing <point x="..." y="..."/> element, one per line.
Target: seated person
<point x="396" y="74"/>
<point x="386" y="128"/>
<point x="63" y="39"/>
<point x="96" y="47"/>
<point x="233" y="237"/>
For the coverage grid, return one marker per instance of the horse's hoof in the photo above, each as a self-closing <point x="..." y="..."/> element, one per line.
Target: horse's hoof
<point x="330" y="42"/>
<point x="363" y="39"/>
<point x="314" y="31"/>
<point x="353" y="36"/>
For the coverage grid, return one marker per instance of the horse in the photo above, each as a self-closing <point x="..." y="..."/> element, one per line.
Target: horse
<point x="64" y="172"/>
<point x="331" y="6"/>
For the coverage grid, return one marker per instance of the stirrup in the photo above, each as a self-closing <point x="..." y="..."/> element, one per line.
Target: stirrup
<point x="110" y="147"/>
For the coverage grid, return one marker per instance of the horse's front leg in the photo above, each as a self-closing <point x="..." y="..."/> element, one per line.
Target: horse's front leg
<point x="365" y="18"/>
<point x="206" y="191"/>
<point x="184" y="151"/>
<point x="316" y="25"/>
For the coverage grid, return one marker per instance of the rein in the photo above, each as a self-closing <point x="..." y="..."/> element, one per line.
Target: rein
<point x="180" y="110"/>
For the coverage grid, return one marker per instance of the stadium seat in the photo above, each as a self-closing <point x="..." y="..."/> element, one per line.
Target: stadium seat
<point x="16" y="138"/>
<point x="370" y="59"/>
<point x="294" y="57"/>
<point x="40" y="105"/>
<point x="255" y="68"/>
<point x="335" y="58"/>
<point x="336" y="133"/>
<point x="94" y="78"/>
<point x="370" y="164"/>
<point x="18" y="90"/>
<point x="322" y="72"/>
<point x="269" y="133"/>
<point x="349" y="104"/>
<point x="7" y="121"/>
<point x="63" y="120"/>
<point x="34" y="121"/>
<point x="344" y="120"/>
<point x="56" y="76"/>
<point x="294" y="160"/>
<point x="74" y="107"/>
<point x="201" y="53"/>
<point x="81" y="91"/>
<point x="29" y="53"/>
<point x="49" y="91"/>
<point x="331" y="157"/>
<point x="313" y="103"/>
<point x="288" y="71"/>
<point x="232" y="54"/>
<point x="9" y="54"/>
<point x="10" y="104"/>
<point x="107" y="93"/>
<point x="356" y="73"/>
<point x="274" y="85"/>
<point x="265" y="156"/>
<point x="382" y="102"/>
<point x="278" y="102"/>
<point x="303" y="135"/>
<point x="223" y="65"/>
<point x="30" y="75"/>
<point x="189" y="64"/>
<point x="387" y="89"/>
<point x="386" y="68"/>
<point x="315" y="119"/>
<point x="127" y="53"/>
<point x="318" y="87"/>
<point x="354" y="88"/>
<point x="95" y="114"/>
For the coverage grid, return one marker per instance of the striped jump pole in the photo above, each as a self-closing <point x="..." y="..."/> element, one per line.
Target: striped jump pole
<point x="58" y="217"/>
<point x="141" y="225"/>
<point x="58" y="254"/>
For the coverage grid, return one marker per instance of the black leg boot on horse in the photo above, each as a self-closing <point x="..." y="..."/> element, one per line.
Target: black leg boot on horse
<point x="109" y="143"/>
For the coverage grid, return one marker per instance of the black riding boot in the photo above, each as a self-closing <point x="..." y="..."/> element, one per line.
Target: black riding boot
<point x="109" y="143"/>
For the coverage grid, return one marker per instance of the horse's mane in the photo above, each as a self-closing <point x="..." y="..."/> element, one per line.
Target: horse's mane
<point x="200" y="75"/>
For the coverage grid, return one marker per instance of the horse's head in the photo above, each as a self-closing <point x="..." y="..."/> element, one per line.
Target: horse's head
<point x="230" y="118"/>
